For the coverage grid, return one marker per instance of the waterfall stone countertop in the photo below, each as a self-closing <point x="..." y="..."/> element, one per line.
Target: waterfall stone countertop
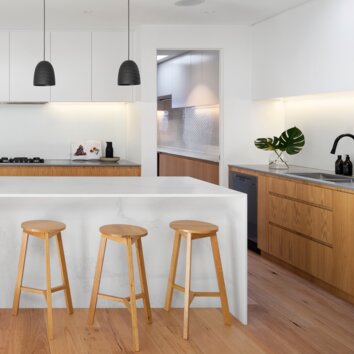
<point x="75" y="163"/>
<point x="86" y="203"/>
<point x="22" y="187"/>
<point x="297" y="173"/>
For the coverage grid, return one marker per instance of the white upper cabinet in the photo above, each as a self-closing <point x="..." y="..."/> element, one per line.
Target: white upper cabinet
<point x="109" y="50"/>
<point x="4" y="66"/>
<point x="204" y="78"/>
<point x="181" y="80"/>
<point x="306" y="51"/>
<point x="26" y="51"/>
<point x="210" y="78"/>
<point x="86" y="66"/>
<point x="71" y="59"/>
<point x="164" y="80"/>
<point x="192" y="79"/>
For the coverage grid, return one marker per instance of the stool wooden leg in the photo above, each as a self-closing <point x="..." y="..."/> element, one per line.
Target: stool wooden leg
<point x="21" y="267"/>
<point x="64" y="273"/>
<point x="97" y="280"/>
<point x="187" y="288"/>
<point x="173" y="270"/>
<point x="220" y="277"/>
<point x="132" y="297"/>
<point x="143" y="282"/>
<point x="49" y="288"/>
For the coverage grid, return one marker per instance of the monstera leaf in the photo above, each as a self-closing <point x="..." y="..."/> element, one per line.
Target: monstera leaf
<point x="267" y="143"/>
<point x="291" y="141"/>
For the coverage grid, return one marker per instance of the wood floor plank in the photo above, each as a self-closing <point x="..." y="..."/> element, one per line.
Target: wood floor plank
<point x="287" y="314"/>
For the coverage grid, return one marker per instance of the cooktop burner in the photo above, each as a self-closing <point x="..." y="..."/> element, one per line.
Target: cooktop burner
<point x="21" y="160"/>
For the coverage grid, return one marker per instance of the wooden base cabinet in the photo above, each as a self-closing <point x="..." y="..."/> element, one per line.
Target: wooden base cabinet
<point x="309" y="228"/>
<point x="176" y="165"/>
<point x="88" y="171"/>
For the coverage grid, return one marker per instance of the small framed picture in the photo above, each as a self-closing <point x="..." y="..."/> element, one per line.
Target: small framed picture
<point x="88" y="150"/>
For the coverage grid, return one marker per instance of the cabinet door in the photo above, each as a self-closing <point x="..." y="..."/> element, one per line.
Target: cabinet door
<point x="210" y="78"/>
<point x="203" y="79"/>
<point x="4" y="66"/>
<point x="26" y="51"/>
<point x="180" y="78"/>
<point x="194" y="80"/>
<point x="109" y="50"/>
<point x="164" y="79"/>
<point x="71" y="58"/>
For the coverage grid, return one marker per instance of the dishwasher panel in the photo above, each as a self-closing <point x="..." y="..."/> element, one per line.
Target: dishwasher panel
<point x="249" y="185"/>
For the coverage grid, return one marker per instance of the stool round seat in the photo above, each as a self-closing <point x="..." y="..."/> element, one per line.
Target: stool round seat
<point x="194" y="227"/>
<point x="42" y="226"/>
<point x="122" y="230"/>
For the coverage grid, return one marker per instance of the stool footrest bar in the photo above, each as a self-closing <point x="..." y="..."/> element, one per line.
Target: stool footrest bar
<point x="198" y="293"/>
<point x="27" y="289"/>
<point x="58" y="288"/>
<point x="33" y="290"/>
<point x="118" y="298"/>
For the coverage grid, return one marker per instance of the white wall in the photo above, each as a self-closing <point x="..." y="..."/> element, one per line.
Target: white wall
<point x="321" y="118"/>
<point x="237" y="118"/>
<point x="307" y="50"/>
<point x="47" y="130"/>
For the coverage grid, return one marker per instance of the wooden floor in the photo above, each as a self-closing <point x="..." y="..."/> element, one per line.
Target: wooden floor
<point x="286" y="315"/>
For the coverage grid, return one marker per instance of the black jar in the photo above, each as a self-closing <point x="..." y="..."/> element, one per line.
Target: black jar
<point x="109" y="149"/>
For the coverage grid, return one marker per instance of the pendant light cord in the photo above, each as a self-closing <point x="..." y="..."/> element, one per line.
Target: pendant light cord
<point x="44" y="30"/>
<point x="128" y="29"/>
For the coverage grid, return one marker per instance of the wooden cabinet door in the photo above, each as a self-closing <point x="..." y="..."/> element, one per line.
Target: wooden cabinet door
<point x="4" y="66"/>
<point x="26" y="51"/>
<point x="71" y="58"/>
<point x="109" y="50"/>
<point x="305" y="254"/>
<point x="173" y="165"/>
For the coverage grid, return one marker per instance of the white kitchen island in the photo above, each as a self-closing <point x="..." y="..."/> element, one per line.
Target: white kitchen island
<point x="86" y="203"/>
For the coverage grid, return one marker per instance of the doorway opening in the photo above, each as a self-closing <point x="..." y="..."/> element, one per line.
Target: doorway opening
<point x="188" y="114"/>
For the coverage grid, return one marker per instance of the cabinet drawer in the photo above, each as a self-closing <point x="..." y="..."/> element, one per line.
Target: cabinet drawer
<point x="307" y="255"/>
<point x="310" y="221"/>
<point x="303" y="192"/>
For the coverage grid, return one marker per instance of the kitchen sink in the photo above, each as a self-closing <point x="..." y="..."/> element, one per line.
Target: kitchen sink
<point x="324" y="177"/>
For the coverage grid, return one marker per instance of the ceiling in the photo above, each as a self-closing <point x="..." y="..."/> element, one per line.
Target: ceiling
<point x="111" y="14"/>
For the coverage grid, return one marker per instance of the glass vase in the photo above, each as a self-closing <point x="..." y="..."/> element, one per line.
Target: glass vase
<point x="278" y="160"/>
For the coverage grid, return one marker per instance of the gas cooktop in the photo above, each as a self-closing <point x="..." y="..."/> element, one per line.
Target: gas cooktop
<point x="21" y="160"/>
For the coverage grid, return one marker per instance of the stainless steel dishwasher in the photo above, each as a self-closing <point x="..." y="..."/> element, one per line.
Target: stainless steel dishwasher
<point x="249" y="185"/>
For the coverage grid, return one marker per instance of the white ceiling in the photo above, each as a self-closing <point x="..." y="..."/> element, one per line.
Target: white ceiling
<point x="111" y="14"/>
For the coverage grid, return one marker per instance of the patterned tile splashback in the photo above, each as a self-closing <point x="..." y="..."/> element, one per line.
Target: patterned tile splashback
<point x="194" y="129"/>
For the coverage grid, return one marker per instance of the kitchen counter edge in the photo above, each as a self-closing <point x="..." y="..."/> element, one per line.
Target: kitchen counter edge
<point x="264" y="169"/>
<point x="73" y="163"/>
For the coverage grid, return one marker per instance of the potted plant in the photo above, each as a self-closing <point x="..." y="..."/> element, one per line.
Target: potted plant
<point x="290" y="141"/>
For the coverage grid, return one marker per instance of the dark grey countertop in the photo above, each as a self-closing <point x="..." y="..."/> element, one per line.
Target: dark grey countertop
<point x="298" y="169"/>
<point x="75" y="163"/>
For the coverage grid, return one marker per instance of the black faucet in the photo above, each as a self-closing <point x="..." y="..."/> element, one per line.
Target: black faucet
<point x="333" y="151"/>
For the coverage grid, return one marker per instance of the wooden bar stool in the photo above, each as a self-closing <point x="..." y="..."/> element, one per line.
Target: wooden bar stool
<point x="127" y="235"/>
<point x="193" y="230"/>
<point x="44" y="229"/>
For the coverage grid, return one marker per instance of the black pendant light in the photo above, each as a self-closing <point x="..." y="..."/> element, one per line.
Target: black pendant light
<point x="44" y="72"/>
<point x="128" y="71"/>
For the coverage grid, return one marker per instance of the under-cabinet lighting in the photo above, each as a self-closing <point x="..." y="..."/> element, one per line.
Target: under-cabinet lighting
<point x="160" y="57"/>
<point x="316" y="96"/>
